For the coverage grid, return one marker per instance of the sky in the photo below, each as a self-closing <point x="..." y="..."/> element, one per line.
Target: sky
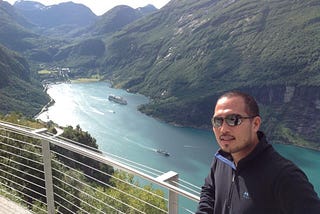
<point x="99" y="7"/>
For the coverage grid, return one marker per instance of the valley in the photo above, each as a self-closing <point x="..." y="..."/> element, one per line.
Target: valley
<point x="182" y="56"/>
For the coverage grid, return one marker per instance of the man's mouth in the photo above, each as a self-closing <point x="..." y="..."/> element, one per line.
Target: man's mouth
<point x="226" y="137"/>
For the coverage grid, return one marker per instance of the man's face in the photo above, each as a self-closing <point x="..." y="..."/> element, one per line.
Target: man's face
<point x="241" y="139"/>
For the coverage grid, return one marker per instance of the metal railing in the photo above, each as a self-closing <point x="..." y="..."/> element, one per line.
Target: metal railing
<point x="50" y="174"/>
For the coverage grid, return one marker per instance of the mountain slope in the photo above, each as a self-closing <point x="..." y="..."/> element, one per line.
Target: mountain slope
<point x="67" y="13"/>
<point x="186" y="54"/>
<point x="13" y="29"/>
<point x="118" y="17"/>
<point x="85" y="53"/>
<point x="18" y="91"/>
<point x="114" y="20"/>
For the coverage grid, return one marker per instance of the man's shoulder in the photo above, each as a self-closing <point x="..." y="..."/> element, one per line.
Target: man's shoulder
<point x="276" y="161"/>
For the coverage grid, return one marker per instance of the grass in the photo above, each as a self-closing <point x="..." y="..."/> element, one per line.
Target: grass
<point x="46" y="72"/>
<point x="83" y="80"/>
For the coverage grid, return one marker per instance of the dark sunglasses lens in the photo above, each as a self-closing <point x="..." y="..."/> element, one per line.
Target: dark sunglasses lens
<point x="233" y="120"/>
<point x="217" y="121"/>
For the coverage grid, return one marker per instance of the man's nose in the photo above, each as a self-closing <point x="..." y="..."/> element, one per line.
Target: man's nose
<point x="224" y="127"/>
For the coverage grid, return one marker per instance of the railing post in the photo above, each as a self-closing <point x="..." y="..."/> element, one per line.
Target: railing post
<point x="172" y="178"/>
<point x="48" y="176"/>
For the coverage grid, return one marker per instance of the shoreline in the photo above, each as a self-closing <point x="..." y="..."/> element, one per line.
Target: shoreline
<point x="88" y="80"/>
<point x="45" y="108"/>
<point x="295" y="145"/>
<point x="46" y="86"/>
<point x="85" y="80"/>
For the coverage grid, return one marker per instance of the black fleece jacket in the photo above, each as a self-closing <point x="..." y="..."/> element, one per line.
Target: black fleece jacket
<point x="264" y="182"/>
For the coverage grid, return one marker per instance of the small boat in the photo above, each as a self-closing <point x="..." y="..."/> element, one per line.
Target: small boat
<point x="117" y="99"/>
<point x="165" y="153"/>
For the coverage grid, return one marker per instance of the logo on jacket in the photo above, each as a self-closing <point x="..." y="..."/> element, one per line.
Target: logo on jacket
<point x="246" y="195"/>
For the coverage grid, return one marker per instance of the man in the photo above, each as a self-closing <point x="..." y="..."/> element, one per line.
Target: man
<point x="247" y="175"/>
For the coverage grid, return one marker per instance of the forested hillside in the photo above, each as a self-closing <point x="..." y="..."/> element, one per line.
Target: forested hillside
<point x="186" y="54"/>
<point x="13" y="29"/>
<point x="19" y="91"/>
<point x="116" y="18"/>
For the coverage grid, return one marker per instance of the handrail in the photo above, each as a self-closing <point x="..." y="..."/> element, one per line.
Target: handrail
<point x="166" y="180"/>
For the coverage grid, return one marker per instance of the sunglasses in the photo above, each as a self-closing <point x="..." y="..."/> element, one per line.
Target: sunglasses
<point x="231" y="120"/>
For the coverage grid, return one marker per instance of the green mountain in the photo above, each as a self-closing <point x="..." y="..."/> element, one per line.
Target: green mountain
<point x="187" y="53"/>
<point x="67" y="13"/>
<point x="19" y="91"/>
<point x="118" y="17"/>
<point x="14" y="32"/>
<point x="18" y="34"/>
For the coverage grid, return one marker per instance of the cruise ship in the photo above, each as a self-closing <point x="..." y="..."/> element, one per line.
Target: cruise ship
<point x="117" y="99"/>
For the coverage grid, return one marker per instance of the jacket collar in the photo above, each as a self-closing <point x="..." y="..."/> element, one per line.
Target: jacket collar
<point x="260" y="147"/>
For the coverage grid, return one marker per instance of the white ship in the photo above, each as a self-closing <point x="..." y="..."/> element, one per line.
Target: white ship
<point x="117" y="99"/>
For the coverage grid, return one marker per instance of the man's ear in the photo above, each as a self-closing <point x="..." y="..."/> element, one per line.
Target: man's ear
<point x="256" y="123"/>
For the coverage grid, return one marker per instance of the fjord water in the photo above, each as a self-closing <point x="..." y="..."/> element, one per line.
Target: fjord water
<point x="124" y="131"/>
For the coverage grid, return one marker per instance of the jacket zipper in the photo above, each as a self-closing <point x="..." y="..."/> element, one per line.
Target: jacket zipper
<point x="231" y="191"/>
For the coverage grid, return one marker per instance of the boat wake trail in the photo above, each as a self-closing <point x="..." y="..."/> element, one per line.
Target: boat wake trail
<point x="140" y="145"/>
<point x="98" y="98"/>
<point x="111" y="111"/>
<point x="159" y="151"/>
<point x="191" y="147"/>
<point x="96" y="111"/>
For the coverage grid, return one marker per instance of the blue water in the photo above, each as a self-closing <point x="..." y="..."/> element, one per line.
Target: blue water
<point x="124" y="131"/>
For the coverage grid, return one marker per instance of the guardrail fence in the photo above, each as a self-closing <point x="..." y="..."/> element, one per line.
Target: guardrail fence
<point x="49" y="174"/>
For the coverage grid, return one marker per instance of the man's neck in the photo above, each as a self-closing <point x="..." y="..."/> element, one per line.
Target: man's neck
<point x="244" y="153"/>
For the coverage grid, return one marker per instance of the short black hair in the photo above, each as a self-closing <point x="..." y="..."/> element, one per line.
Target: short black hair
<point x="252" y="107"/>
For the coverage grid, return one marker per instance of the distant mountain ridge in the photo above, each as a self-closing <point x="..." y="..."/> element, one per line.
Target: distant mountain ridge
<point x="78" y="15"/>
<point x="67" y="13"/>
<point x="10" y="13"/>
<point x="14" y="29"/>
<point x="186" y="54"/>
<point x="118" y="17"/>
<point x="19" y="26"/>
